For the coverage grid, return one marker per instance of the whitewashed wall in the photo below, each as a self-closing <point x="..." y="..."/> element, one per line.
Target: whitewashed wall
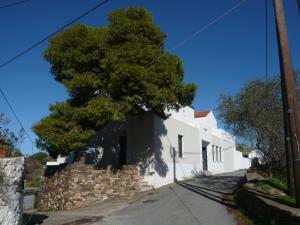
<point x="240" y="162"/>
<point x="166" y="141"/>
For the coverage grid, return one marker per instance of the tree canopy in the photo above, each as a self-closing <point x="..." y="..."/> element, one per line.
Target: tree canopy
<point x="111" y="73"/>
<point x="8" y="139"/>
<point x="255" y="116"/>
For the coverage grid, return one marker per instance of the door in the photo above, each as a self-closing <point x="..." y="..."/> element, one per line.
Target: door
<point x="204" y="158"/>
<point x="123" y="150"/>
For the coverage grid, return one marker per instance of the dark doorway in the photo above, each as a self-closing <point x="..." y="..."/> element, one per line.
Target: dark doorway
<point x="204" y="158"/>
<point x="123" y="150"/>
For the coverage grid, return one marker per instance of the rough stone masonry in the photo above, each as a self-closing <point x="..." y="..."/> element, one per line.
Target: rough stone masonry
<point x="78" y="185"/>
<point x="11" y="190"/>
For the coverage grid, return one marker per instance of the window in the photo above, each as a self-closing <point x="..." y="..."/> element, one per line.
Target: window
<point x="220" y="151"/>
<point x="217" y="153"/>
<point x="180" y="146"/>
<point x="245" y="155"/>
<point x="213" y="152"/>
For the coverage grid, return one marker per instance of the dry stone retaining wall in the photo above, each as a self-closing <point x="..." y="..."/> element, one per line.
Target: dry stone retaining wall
<point x="78" y="185"/>
<point x="11" y="190"/>
<point x="263" y="210"/>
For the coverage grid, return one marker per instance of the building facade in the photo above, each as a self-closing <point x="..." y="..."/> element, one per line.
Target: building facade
<point x="186" y="144"/>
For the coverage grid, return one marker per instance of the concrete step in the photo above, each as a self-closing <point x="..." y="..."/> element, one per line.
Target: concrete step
<point x="146" y="188"/>
<point x="207" y="173"/>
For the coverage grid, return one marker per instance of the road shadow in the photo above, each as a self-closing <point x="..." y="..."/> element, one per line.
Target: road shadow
<point x="33" y="219"/>
<point x="220" y="188"/>
<point x="226" y="200"/>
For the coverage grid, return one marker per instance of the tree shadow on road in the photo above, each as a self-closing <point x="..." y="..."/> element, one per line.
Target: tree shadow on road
<point x="221" y="197"/>
<point x="33" y="219"/>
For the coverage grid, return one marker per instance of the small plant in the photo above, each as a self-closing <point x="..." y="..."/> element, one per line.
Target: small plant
<point x="289" y="199"/>
<point x="3" y="197"/>
<point x="1" y="179"/>
<point x="263" y="186"/>
<point x="277" y="183"/>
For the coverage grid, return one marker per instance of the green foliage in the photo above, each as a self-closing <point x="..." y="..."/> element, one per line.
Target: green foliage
<point x="111" y="73"/>
<point x="34" y="168"/>
<point x="60" y="136"/>
<point x="8" y="139"/>
<point x="289" y="200"/>
<point x="278" y="183"/>
<point x="16" y="153"/>
<point x="255" y="116"/>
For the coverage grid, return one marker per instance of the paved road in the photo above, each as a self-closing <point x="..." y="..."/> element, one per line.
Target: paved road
<point x="200" y="201"/>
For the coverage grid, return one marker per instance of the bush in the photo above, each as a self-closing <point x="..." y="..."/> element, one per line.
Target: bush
<point x="35" y="168"/>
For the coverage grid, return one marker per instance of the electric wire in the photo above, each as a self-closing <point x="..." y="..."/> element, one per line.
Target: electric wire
<point x="179" y="44"/>
<point x="32" y="47"/>
<point x="15" y="114"/>
<point x="14" y="4"/>
<point x="266" y="39"/>
<point x="53" y="33"/>
<point x="197" y="32"/>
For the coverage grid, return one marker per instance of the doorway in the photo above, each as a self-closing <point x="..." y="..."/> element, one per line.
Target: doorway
<point x="123" y="150"/>
<point x="204" y="158"/>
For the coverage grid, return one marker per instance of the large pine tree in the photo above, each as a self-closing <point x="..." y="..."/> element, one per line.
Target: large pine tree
<point x="111" y="73"/>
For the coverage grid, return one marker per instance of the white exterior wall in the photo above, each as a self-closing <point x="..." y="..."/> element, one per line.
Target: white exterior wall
<point x="213" y="165"/>
<point x="151" y="142"/>
<point x="166" y="141"/>
<point x="228" y="152"/>
<point x="140" y="140"/>
<point x="240" y="162"/>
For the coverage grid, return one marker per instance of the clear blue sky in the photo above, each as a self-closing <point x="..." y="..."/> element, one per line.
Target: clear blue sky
<point x="219" y="60"/>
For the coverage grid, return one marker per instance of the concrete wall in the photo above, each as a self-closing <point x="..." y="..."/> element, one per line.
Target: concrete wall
<point x="108" y="139"/>
<point x="228" y="151"/>
<point x="140" y="141"/>
<point x="30" y="198"/>
<point x="152" y="140"/>
<point x="162" y="170"/>
<point x="240" y="162"/>
<point x="11" y="191"/>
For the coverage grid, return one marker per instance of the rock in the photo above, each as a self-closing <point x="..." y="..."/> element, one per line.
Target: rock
<point x="79" y="186"/>
<point x="11" y="203"/>
<point x="254" y="177"/>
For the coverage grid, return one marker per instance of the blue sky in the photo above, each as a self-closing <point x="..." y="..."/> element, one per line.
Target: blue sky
<point x="219" y="60"/>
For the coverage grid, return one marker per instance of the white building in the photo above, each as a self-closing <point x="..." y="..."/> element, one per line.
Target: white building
<point x="186" y="144"/>
<point x="150" y="142"/>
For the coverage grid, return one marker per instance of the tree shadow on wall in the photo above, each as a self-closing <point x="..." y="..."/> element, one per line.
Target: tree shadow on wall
<point x="150" y="156"/>
<point x="144" y="135"/>
<point x="106" y="144"/>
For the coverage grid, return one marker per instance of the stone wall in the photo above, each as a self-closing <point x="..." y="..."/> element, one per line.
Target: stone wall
<point x="11" y="190"/>
<point x="263" y="209"/>
<point x="79" y="184"/>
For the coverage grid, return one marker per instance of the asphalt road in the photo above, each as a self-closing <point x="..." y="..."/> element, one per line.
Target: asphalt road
<point x="198" y="201"/>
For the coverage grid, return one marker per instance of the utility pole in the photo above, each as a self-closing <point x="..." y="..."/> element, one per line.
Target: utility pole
<point x="290" y="109"/>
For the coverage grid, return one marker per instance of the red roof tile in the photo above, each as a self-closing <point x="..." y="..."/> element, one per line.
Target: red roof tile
<point x="201" y="114"/>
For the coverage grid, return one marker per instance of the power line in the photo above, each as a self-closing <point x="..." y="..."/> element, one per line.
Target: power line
<point x="14" y="4"/>
<point x="197" y="32"/>
<point x="212" y="22"/>
<point x="32" y="47"/>
<point x="15" y="115"/>
<point x="54" y="33"/>
<point x="217" y="19"/>
<point x="266" y="40"/>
